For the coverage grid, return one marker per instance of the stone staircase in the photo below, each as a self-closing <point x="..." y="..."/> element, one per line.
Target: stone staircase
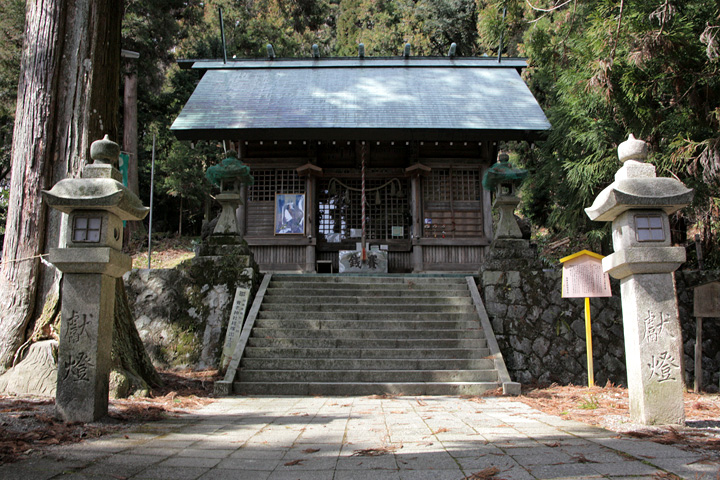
<point x="363" y="335"/>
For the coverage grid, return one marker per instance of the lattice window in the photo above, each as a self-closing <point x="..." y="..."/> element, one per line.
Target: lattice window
<point x="463" y="184"/>
<point x="340" y="210"/>
<point x="452" y="206"/>
<point x="270" y="181"/>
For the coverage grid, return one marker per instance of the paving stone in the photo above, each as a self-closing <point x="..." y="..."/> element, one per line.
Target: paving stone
<point x="216" y="474"/>
<point x="302" y="475"/>
<point x="382" y="462"/>
<point x="265" y="435"/>
<point x="431" y="474"/>
<point x="568" y="470"/>
<point x="171" y="473"/>
<point x="189" y="462"/>
<point x="200" y="453"/>
<point x="624" y="468"/>
<point x="11" y="472"/>
<point x="260" y="453"/>
<point x="367" y="475"/>
<point x="248" y="464"/>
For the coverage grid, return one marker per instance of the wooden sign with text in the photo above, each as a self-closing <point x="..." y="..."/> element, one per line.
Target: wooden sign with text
<point x="583" y="276"/>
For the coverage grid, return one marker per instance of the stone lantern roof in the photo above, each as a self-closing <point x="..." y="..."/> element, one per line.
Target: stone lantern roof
<point x="637" y="187"/>
<point x="97" y="189"/>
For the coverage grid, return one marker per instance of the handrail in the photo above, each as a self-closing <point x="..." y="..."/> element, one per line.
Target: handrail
<point x="224" y="386"/>
<point x="509" y="387"/>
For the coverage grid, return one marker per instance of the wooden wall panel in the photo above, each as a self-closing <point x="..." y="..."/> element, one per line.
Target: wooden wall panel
<point x="260" y="219"/>
<point x="459" y="258"/>
<point x="279" y="258"/>
<point x="400" y="262"/>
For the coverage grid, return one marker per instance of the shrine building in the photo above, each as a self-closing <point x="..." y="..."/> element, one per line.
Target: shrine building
<point x="423" y="129"/>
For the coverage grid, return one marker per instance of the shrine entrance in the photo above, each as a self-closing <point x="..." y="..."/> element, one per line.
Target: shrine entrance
<point x="387" y="213"/>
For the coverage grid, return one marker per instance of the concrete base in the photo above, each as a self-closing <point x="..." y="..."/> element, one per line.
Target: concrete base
<point x="653" y="349"/>
<point x="88" y="306"/>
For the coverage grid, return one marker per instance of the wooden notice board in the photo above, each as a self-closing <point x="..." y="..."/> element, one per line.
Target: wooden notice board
<point x="583" y="276"/>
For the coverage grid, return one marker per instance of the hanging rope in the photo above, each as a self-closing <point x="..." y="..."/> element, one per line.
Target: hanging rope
<point x="362" y="173"/>
<point x="348" y="187"/>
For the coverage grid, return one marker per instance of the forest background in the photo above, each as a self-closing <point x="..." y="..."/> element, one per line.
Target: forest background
<point x="600" y="69"/>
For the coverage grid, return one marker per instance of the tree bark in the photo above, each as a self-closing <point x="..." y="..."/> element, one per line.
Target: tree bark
<point x="130" y="129"/>
<point x="130" y="141"/>
<point x="67" y="98"/>
<point x="129" y="360"/>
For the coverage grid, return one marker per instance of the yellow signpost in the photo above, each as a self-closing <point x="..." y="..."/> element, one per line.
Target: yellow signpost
<point x="583" y="277"/>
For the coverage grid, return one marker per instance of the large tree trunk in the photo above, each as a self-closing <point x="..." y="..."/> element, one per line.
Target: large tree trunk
<point x="130" y="141"/>
<point x="67" y="98"/>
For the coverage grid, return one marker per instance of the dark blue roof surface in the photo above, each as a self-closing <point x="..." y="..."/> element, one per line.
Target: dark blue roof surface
<point x="361" y="99"/>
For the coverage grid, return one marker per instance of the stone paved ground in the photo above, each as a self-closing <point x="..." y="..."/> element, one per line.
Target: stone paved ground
<point x="343" y="438"/>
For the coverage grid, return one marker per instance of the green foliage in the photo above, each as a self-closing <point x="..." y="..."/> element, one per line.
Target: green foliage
<point x="385" y="26"/>
<point x="4" y="193"/>
<point x="591" y="402"/>
<point x="601" y="74"/>
<point x="12" y="22"/>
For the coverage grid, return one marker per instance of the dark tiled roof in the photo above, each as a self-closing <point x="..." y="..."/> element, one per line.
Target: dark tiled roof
<point x="430" y="99"/>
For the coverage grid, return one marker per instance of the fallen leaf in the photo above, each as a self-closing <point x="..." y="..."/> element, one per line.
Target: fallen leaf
<point x="294" y="462"/>
<point x="311" y="450"/>
<point x="374" y="452"/>
<point x="484" y="474"/>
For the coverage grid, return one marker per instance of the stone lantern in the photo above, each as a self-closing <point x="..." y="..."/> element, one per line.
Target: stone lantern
<point x="505" y="180"/>
<point x="638" y="204"/>
<point x="230" y="175"/>
<point x="96" y="205"/>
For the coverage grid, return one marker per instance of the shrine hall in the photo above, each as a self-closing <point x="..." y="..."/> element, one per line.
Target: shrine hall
<point x="415" y="133"/>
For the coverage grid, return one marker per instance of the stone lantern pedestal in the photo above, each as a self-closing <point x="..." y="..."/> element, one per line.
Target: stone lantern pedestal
<point x="638" y="204"/>
<point x="96" y="205"/>
<point x="509" y="253"/>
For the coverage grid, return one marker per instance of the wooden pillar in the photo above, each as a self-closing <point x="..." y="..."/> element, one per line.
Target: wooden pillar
<point x="415" y="199"/>
<point x="310" y="172"/>
<point x="241" y="212"/>
<point x="489" y="155"/>
<point x="310" y="264"/>
<point x="416" y="171"/>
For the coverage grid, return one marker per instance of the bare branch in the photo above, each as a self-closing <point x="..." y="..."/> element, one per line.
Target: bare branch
<point x="556" y="7"/>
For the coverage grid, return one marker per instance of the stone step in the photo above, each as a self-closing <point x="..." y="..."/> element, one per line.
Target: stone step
<point x="388" y="278"/>
<point x="360" y="316"/>
<point x="383" y="308"/>
<point x="366" y="364"/>
<point x="277" y="351"/>
<point x="367" y="344"/>
<point x="378" y="376"/>
<point x="375" y="324"/>
<point x="366" y="290"/>
<point x="303" y="388"/>
<point x="361" y="301"/>
<point x="358" y="333"/>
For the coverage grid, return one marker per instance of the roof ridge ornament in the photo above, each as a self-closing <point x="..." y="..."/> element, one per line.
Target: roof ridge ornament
<point x="406" y="53"/>
<point x="361" y="50"/>
<point x="315" y="51"/>
<point x="270" y="51"/>
<point x="453" y="48"/>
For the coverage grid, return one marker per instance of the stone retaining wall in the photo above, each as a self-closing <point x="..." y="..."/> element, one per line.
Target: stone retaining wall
<point x="542" y="335"/>
<point x="182" y="314"/>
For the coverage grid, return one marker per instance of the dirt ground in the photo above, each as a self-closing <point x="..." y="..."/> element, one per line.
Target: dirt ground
<point x="27" y="424"/>
<point x="608" y="407"/>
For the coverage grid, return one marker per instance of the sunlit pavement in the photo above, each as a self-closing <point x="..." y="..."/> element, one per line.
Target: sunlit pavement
<point x="344" y="438"/>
